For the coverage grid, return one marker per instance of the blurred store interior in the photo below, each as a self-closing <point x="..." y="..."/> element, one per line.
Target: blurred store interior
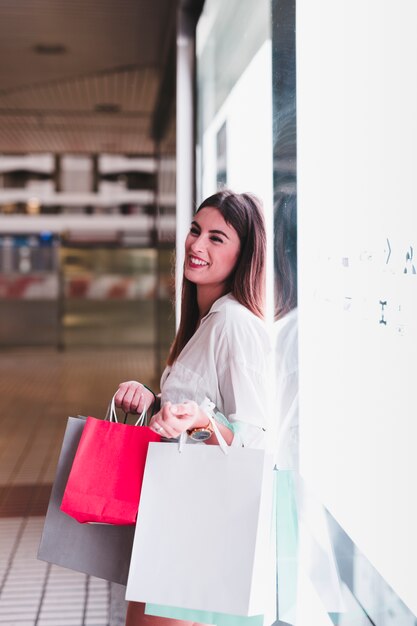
<point x="87" y="174"/>
<point x="87" y="239"/>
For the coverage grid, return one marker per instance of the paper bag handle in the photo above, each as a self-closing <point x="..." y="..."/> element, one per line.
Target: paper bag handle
<point x="112" y="416"/>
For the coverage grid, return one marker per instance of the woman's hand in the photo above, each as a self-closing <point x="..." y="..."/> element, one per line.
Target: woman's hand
<point x="133" y="397"/>
<point x="174" y="419"/>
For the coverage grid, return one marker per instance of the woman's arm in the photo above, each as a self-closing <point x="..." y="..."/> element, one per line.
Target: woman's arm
<point x="245" y="380"/>
<point x="246" y="403"/>
<point x="174" y="419"/>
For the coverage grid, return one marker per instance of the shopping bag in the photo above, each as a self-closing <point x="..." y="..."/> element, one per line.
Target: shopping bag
<point x="205" y="617"/>
<point x="202" y="537"/>
<point x="106" y="477"/>
<point x="223" y="619"/>
<point x="98" y="550"/>
<point x="287" y="545"/>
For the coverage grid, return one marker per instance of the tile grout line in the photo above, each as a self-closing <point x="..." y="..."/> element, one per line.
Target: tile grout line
<point x="13" y="553"/>
<point x="108" y="603"/>
<point x="86" y="592"/>
<point x="45" y="583"/>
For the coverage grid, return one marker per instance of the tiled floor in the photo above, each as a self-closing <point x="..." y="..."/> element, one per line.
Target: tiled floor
<point x="33" y="592"/>
<point x="38" y="390"/>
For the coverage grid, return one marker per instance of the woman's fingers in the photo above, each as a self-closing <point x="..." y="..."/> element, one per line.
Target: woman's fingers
<point x="174" y="419"/>
<point x="120" y="394"/>
<point x="165" y="424"/>
<point x="128" y="396"/>
<point x="137" y="402"/>
<point x="164" y="429"/>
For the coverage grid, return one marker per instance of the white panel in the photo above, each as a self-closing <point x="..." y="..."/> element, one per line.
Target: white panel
<point x="357" y="149"/>
<point x="248" y="115"/>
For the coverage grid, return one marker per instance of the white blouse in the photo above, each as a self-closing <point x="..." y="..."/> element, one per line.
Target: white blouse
<point x="226" y="360"/>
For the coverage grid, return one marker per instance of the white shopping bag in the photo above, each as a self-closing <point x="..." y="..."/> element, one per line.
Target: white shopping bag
<point x="202" y="537"/>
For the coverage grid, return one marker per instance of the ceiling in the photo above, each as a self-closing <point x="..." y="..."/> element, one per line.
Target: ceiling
<point x="84" y="76"/>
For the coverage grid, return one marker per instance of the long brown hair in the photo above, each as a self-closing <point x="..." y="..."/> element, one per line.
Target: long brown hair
<point x="247" y="282"/>
<point x="285" y="254"/>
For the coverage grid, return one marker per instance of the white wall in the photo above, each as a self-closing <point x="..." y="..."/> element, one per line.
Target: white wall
<point x="357" y="162"/>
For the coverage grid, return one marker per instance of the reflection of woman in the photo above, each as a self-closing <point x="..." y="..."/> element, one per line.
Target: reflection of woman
<point x="220" y="350"/>
<point x="294" y="501"/>
<point x="286" y="402"/>
<point x="286" y="343"/>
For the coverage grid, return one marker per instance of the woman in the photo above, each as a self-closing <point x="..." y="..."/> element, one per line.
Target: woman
<point x="286" y="330"/>
<point x="221" y="348"/>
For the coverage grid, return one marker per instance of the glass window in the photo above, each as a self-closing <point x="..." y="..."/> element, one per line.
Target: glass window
<point x="234" y="98"/>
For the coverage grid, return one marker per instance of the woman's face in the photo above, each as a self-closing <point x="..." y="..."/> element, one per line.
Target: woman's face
<point x="211" y="249"/>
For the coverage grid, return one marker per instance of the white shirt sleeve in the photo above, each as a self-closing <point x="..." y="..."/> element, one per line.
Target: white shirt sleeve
<point x="244" y="401"/>
<point x="244" y="382"/>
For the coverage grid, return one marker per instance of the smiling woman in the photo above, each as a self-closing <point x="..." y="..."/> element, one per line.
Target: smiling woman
<point x="211" y="251"/>
<point x="240" y="247"/>
<point x="221" y="350"/>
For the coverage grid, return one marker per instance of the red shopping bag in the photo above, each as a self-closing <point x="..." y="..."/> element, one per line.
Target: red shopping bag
<point x="105" y="481"/>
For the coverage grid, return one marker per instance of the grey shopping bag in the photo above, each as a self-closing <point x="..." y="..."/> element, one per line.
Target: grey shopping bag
<point x="99" y="550"/>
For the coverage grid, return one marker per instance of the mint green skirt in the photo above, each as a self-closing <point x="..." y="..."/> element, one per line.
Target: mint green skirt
<point x="285" y="525"/>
